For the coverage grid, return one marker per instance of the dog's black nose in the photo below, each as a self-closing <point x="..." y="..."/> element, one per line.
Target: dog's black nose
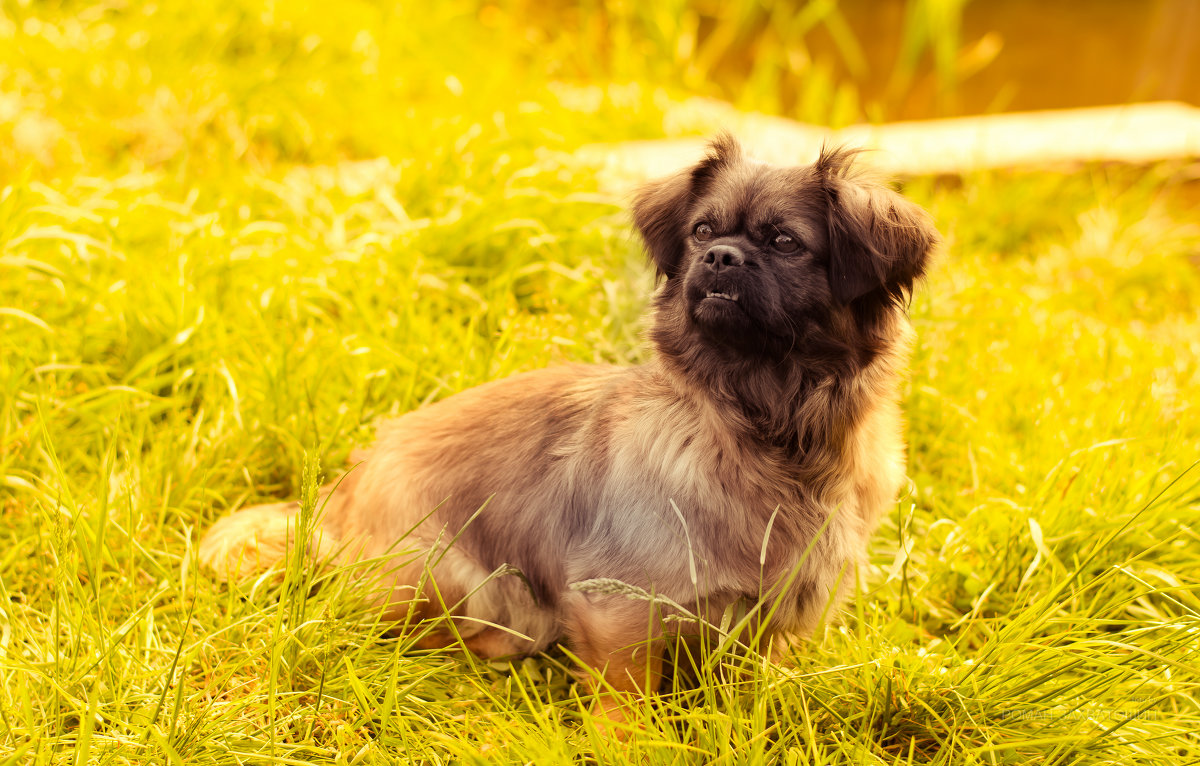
<point x="723" y="256"/>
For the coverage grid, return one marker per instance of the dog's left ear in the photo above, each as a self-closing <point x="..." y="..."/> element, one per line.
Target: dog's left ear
<point x="661" y="208"/>
<point x="879" y="242"/>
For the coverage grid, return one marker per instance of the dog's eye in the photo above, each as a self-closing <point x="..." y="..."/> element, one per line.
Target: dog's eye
<point x="784" y="243"/>
<point x="703" y="232"/>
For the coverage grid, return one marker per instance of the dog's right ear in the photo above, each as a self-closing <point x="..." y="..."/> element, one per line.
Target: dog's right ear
<point x="660" y="210"/>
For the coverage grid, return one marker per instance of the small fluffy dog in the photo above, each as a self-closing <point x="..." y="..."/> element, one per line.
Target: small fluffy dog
<point x="749" y="461"/>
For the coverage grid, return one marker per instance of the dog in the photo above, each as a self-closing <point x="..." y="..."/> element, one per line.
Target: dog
<point x="747" y="462"/>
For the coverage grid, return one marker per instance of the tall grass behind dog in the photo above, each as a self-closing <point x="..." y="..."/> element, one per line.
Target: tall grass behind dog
<point x="749" y="460"/>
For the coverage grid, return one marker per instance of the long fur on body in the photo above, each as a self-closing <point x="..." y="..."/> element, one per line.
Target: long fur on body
<point x="766" y="424"/>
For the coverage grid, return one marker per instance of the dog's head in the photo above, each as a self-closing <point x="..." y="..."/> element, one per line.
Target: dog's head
<point x="758" y="257"/>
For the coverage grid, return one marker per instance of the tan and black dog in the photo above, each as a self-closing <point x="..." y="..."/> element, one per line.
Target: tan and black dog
<point x="766" y="423"/>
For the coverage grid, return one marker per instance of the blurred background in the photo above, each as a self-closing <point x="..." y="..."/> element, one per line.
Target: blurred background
<point x="187" y="85"/>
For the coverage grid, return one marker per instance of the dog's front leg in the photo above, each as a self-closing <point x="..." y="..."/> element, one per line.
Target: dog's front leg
<point x="620" y="644"/>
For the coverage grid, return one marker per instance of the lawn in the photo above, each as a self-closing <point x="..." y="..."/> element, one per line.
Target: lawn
<point x="233" y="236"/>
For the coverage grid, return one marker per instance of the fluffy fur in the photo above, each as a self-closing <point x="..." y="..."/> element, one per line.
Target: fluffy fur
<point x="768" y="415"/>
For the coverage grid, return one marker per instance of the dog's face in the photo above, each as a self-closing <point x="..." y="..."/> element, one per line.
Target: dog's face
<point x="758" y="257"/>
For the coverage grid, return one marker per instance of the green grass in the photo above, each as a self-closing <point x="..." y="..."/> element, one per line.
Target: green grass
<point x="232" y="237"/>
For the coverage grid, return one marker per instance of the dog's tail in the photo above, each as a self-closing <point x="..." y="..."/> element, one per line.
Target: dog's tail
<point x="254" y="540"/>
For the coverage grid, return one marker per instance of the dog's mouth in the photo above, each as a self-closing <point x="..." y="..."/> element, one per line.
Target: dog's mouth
<point x="722" y="296"/>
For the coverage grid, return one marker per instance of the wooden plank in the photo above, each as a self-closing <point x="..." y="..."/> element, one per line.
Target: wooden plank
<point x="1136" y="133"/>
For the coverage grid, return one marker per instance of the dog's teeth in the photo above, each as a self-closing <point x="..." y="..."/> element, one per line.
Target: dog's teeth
<point x="726" y="296"/>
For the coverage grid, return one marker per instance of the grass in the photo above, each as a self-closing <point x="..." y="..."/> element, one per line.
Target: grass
<point x="234" y="236"/>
